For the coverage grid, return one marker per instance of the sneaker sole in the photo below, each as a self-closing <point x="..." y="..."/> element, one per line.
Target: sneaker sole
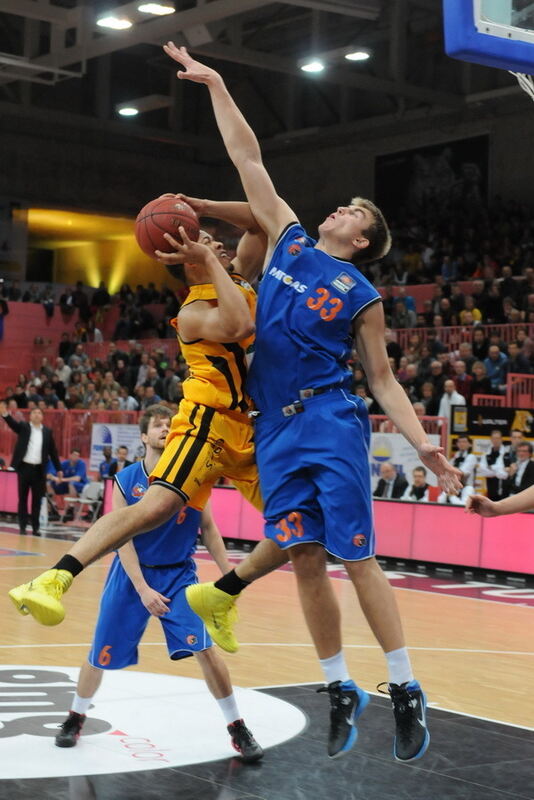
<point x="363" y="702"/>
<point x="44" y="609"/>
<point x="196" y="603"/>
<point x="424" y="747"/>
<point x="15" y="595"/>
<point x="67" y="744"/>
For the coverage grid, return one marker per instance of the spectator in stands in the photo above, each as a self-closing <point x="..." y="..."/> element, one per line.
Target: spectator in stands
<point x="445" y="312"/>
<point x="63" y="371"/>
<point x="153" y="379"/>
<point x="150" y="398"/>
<point x="465" y="354"/>
<point x="481" y="383"/>
<point x="457" y="299"/>
<point x="430" y="399"/>
<point x="517" y="363"/>
<point x="402" y="317"/>
<point x="496" y="369"/>
<point x="121" y="462"/>
<point x="418" y="491"/>
<point x="480" y="344"/>
<point x="126" y="401"/>
<point x="104" y="466"/>
<point x="101" y="298"/>
<point x="142" y="372"/>
<point x="19" y="395"/>
<point x="109" y="383"/>
<point x="449" y="398"/>
<point x="462" y="381"/>
<point x="49" y="396"/>
<point x="172" y="386"/>
<point x="521" y="472"/>
<point x="66" y="347"/>
<point x="390" y="485"/>
<point x="466" y="462"/>
<point x="437" y="378"/>
<point x="360" y="390"/>
<point x="393" y="348"/>
<point x="493" y="466"/>
<point x="74" y="476"/>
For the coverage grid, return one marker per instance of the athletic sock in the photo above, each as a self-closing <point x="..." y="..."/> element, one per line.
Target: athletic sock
<point x="334" y="668"/>
<point x="231" y="583"/>
<point x="80" y="704"/>
<point x="399" y="666"/>
<point x="70" y="564"/>
<point x="228" y="706"/>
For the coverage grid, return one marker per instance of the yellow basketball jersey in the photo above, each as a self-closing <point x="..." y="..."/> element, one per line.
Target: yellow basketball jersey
<point x="217" y="371"/>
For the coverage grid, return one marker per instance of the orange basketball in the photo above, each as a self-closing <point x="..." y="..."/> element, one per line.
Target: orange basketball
<point x="164" y="215"/>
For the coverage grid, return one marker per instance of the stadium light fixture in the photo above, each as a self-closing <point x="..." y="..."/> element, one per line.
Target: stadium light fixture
<point x="159" y="9"/>
<point x="114" y="23"/>
<point x="128" y="111"/>
<point x="312" y="65"/>
<point x="358" y="55"/>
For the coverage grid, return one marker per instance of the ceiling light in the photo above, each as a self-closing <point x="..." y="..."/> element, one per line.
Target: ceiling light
<point x="313" y="65"/>
<point x="114" y="23"/>
<point x="156" y="8"/>
<point x="140" y="105"/>
<point x="358" y="55"/>
<point x="128" y="111"/>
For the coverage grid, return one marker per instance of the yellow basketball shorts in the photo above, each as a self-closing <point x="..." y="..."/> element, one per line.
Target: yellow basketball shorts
<point x="203" y="445"/>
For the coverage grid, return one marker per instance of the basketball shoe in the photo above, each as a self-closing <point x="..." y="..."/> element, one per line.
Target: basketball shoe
<point x="409" y="709"/>
<point x="347" y="703"/>
<point x="40" y="597"/>
<point x="218" y="611"/>
<point x="244" y="742"/>
<point x="70" y="730"/>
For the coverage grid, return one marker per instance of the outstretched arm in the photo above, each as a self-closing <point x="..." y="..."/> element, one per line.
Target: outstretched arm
<point x="369" y="332"/>
<point x="271" y="212"/>
<point x="523" y="501"/>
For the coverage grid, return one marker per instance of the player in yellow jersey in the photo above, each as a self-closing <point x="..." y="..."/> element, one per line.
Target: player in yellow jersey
<point x="211" y="435"/>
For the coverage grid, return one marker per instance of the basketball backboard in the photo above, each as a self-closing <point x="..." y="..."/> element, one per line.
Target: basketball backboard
<point x="497" y="33"/>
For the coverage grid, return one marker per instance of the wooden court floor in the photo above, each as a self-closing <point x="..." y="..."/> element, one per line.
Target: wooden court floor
<point x="473" y="656"/>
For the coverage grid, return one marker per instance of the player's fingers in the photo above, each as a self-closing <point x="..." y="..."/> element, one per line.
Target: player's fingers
<point x="175" y="243"/>
<point x="185" y="238"/>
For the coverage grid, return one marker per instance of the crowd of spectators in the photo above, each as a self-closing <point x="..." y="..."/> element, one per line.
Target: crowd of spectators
<point x="123" y="381"/>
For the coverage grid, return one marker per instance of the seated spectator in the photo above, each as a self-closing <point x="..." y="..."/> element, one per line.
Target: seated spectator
<point x="402" y="317"/>
<point x="74" y="477"/>
<point x="390" y="485"/>
<point x="121" y="461"/>
<point x="172" y="386"/>
<point x="126" y="401"/>
<point x="449" y="398"/>
<point x="418" y="491"/>
<point x="150" y="398"/>
<point x="469" y="307"/>
<point x="521" y="472"/>
<point x="480" y="344"/>
<point x="104" y="466"/>
<point x="466" y="462"/>
<point x="517" y="363"/>
<point x="360" y="390"/>
<point x="465" y="354"/>
<point x="493" y="466"/>
<point x="430" y="399"/>
<point x="63" y="371"/>
<point x="481" y="383"/>
<point x="66" y="347"/>
<point x="496" y="369"/>
<point x="462" y="381"/>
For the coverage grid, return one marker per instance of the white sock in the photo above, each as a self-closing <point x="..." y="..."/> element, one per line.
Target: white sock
<point x="399" y="666"/>
<point x="81" y="704"/>
<point x="228" y="706"/>
<point x="334" y="668"/>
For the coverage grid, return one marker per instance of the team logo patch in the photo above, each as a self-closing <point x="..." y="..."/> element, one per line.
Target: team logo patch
<point x="294" y="249"/>
<point x="191" y="639"/>
<point x="138" y="490"/>
<point x="344" y="282"/>
<point x="359" y="540"/>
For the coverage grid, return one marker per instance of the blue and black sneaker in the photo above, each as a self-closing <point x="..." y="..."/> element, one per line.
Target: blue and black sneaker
<point x="409" y="709"/>
<point x="347" y="702"/>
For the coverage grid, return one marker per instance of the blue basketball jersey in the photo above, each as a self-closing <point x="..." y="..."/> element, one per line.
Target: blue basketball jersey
<point x="170" y="543"/>
<point x="307" y="301"/>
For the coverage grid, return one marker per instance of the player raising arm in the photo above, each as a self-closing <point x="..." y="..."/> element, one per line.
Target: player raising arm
<point x="312" y="436"/>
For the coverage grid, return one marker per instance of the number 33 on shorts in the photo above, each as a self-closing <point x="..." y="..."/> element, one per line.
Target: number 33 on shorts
<point x="290" y="527"/>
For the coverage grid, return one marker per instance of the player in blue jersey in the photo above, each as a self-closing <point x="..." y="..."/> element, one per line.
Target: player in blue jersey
<point x="149" y="575"/>
<point x="312" y="435"/>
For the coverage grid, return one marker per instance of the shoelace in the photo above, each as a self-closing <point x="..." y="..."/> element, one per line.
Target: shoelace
<point x="403" y="711"/>
<point x="71" y="724"/>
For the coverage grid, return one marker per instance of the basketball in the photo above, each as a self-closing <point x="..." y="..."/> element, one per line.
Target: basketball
<point x="160" y="216"/>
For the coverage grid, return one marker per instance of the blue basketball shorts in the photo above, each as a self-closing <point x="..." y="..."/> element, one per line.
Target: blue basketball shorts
<point x="315" y="476"/>
<point x="123" y="618"/>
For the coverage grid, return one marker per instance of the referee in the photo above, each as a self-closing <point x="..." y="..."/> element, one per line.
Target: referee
<point x="35" y="445"/>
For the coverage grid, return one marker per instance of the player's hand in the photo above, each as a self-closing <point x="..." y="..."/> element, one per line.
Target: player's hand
<point x="198" y="205"/>
<point x="193" y="70"/>
<point x="190" y="252"/>
<point x="154" y="602"/>
<point x="449" y="478"/>
<point x="478" y="504"/>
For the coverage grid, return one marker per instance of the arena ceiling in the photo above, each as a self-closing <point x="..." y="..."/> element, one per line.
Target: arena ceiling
<point x="54" y="58"/>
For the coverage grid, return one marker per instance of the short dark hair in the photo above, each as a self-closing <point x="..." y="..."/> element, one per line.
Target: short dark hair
<point x="377" y="233"/>
<point x="420" y="469"/>
<point x="157" y="410"/>
<point x="526" y="444"/>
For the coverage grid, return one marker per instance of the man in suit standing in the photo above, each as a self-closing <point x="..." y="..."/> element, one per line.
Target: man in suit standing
<point x="390" y="484"/>
<point x="35" y="445"/>
<point x="521" y="472"/>
<point x="121" y="462"/>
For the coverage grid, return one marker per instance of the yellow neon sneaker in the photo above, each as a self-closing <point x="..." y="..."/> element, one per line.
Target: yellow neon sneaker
<point x="218" y="611"/>
<point x="40" y="597"/>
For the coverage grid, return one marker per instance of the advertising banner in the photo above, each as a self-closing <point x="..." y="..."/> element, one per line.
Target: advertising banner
<point x="108" y="435"/>
<point x="394" y="448"/>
